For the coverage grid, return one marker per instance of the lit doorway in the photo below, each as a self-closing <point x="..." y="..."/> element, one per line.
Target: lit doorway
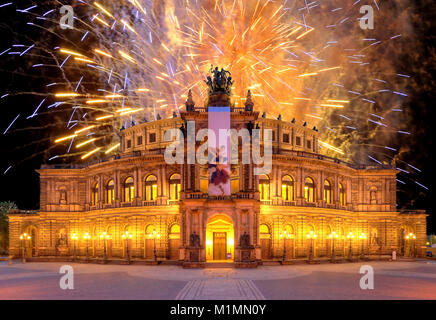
<point x="220" y="239"/>
<point x="219" y="245"/>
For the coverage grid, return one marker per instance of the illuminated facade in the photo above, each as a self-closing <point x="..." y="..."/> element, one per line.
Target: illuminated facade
<point x="308" y="202"/>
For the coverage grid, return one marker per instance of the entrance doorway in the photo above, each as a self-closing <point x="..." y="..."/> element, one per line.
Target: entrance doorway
<point x="220" y="239"/>
<point x="265" y="241"/>
<point x="219" y="245"/>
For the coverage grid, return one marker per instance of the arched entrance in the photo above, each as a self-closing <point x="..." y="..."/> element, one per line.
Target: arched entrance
<point x="174" y="242"/>
<point x="406" y="245"/>
<point x="109" y="242"/>
<point x="265" y="241"/>
<point x="220" y="239"/>
<point x="31" y="244"/>
<point x="289" y="241"/>
<point x="149" y="242"/>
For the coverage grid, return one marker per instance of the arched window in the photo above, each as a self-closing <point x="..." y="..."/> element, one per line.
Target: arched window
<point x="149" y="231"/>
<point x="128" y="190"/>
<point x="175" y="187"/>
<point x="150" y="190"/>
<point x="288" y="188"/>
<point x="94" y="196"/>
<point x="342" y="196"/>
<point x="110" y="194"/>
<point x="309" y="190"/>
<point x="264" y="231"/>
<point x="264" y="187"/>
<point x="328" y="195"/>
<point x="175" y="229"/>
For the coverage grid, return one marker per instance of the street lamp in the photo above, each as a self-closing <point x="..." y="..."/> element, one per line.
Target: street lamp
<point x="333" y="236"/>
<point x="411" y="237"/>
<point x="311" y="235"/>
<point x="86" y="237"/>
<point x="350" y="236"/>
<point x="23" y="238"/>
<point x="126" y="236"/>
<point x="285" y="235"/>
<point x="362" y="237"/>
<point x="153" y="236"/>
<point x="74" y="237"/>
<point x="104" y="236"/>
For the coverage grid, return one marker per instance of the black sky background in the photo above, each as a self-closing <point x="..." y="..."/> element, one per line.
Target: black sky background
<point x="27" y="144"/>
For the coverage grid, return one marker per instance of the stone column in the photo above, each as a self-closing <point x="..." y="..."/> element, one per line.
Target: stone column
<point x="279" y="182"/>
<point x="140" y="185"/>
<point x="237" y="228"/>
<point x="188" y="178"/>
<point x="117" y="188"/>
<point x="250" y="226"/>
<point x="188" y="226"/>
<point x="182" y="177"/>
<point x="250" y="176"/>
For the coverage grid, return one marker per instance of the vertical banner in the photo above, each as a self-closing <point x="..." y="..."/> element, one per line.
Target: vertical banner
<point x="219" y="151"/>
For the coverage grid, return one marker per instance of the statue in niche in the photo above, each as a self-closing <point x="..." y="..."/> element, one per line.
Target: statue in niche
<point x="62" y="240"/>
<point x="373" y="237"/>
<point x="63" y="196"/>
<point x="244" y="240"/>
<point x="373" y="195"/>
<point x="194" y="240"/>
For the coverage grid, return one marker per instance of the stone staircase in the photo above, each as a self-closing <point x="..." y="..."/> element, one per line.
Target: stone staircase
<point x="219" y="265"/>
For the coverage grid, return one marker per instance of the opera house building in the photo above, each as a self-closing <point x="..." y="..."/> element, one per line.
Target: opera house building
<point x="135" y="206"/>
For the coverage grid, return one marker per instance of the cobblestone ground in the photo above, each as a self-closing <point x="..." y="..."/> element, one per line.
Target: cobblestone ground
<point x="392" y="280"/>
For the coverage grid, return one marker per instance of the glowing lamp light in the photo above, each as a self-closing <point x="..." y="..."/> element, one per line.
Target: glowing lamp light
<point x="311" y="235"/>
<point x="362" y="236"/>
<point x="104" y="235"/>
<point x="333" y="235"/>
<point x="86" y="236"/>
<point x="411" y="236"/>
<point x="154" y="235"/>
<point x="231" y="242"/>
<point x="127" y="235"/>
<point x="25" y="236"/>
<point x="350" y="235"/>
<point x="208" y="242"/>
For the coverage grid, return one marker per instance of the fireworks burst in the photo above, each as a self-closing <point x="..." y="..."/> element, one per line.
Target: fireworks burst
<point x="131" y="61"/>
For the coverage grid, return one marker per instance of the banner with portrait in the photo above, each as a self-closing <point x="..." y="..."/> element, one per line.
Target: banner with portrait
<point x="219" y="151"/>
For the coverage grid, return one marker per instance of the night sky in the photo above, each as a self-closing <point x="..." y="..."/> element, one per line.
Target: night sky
<point x="28" y="144"/>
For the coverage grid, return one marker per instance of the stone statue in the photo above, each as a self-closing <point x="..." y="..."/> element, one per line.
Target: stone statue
<point x="195" y="240"/>
<point x="63" y="197"/>
<point x="373" y="196"/>
<point x="244" y="240"/>
<point x="221" y="81"/>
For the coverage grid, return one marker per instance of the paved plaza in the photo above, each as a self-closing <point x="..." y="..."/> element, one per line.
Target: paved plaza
<point x="392" y="280"/>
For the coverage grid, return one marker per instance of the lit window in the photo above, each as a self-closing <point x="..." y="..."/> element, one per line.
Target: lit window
<point x="129" y="190"/>
<point x="94" y="197"/>
<point x="288" y="188"/>
<point x="150" y="188"/>
<point x="328" y="192"/>
<point x="264" y="187"/>
<point x="309" y="190"/>
<point x="342" y="196"/>
<point x="110" y="194"/>
<point x="175" y="187"/>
